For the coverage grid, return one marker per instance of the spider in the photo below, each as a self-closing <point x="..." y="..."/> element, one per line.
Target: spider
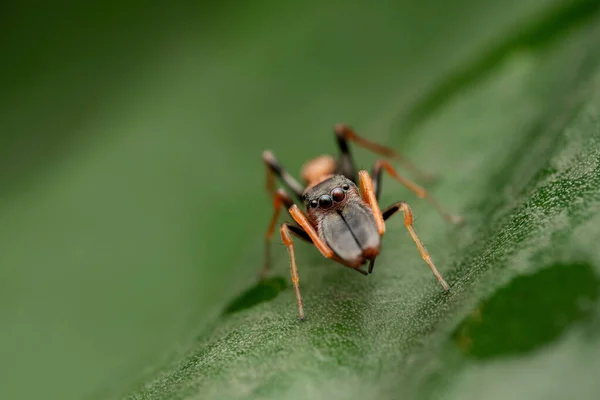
<point x="344" y="223"/>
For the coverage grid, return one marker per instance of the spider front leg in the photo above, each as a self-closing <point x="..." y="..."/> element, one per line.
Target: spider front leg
<point x="408" y="222"/>
<point x="280" y="198"/>
<point x="289" y="243"/>
<point x="307" y="230"/>
<point x="369" y="196"/>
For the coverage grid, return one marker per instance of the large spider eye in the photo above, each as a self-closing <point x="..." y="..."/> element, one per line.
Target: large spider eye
<point x="338" y="194"/>
<point x="313" y="204"/>
<point x="325" y="202"/>
<point x="345" y="187"/>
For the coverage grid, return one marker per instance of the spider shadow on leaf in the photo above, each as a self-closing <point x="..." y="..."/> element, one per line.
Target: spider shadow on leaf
<point x="262" y="291"/>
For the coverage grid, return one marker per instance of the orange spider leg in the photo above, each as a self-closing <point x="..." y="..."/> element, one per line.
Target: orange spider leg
<point x="308" y="227"/>
<point x="368" y="194"/>
<point x="348" y="133"/>
<point x="413" y="187"/>
<point x="289" y="243"/>
<point x="280" y="198"/>
<point x="408" y="222"/>
<point x="325" y="250"/>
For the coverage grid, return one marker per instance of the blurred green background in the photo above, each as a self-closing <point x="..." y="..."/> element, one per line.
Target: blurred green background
<point x="132" y="204"/>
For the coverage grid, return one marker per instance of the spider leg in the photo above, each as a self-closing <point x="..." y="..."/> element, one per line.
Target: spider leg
<point x="368" y="194"/>
<point x="274" y="169"/>
<point x="408" y="222"/>
<point x="289" y="243"/>
<point x="305" y="231"/>
<point x="280" y="198"/>
<point x="382" y="165"/>
<point x="344" y="133"/>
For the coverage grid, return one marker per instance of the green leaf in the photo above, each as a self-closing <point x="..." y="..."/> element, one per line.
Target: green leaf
<point x="133" y="209"/>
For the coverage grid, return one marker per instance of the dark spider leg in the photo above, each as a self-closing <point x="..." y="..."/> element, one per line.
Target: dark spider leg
<point x="345" y="164"/>
<point x="371" y="265"/>
<point x="274" y="168"/>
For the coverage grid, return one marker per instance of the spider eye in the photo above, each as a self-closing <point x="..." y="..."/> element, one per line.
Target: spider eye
<point x="325" y="202"/>
<point x="345" y="187"/>
<point x="338" y="195"/>
<point x="313" y="204"/>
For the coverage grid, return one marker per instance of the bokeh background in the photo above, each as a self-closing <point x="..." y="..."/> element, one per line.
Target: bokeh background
<point x="132" y="203"/>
